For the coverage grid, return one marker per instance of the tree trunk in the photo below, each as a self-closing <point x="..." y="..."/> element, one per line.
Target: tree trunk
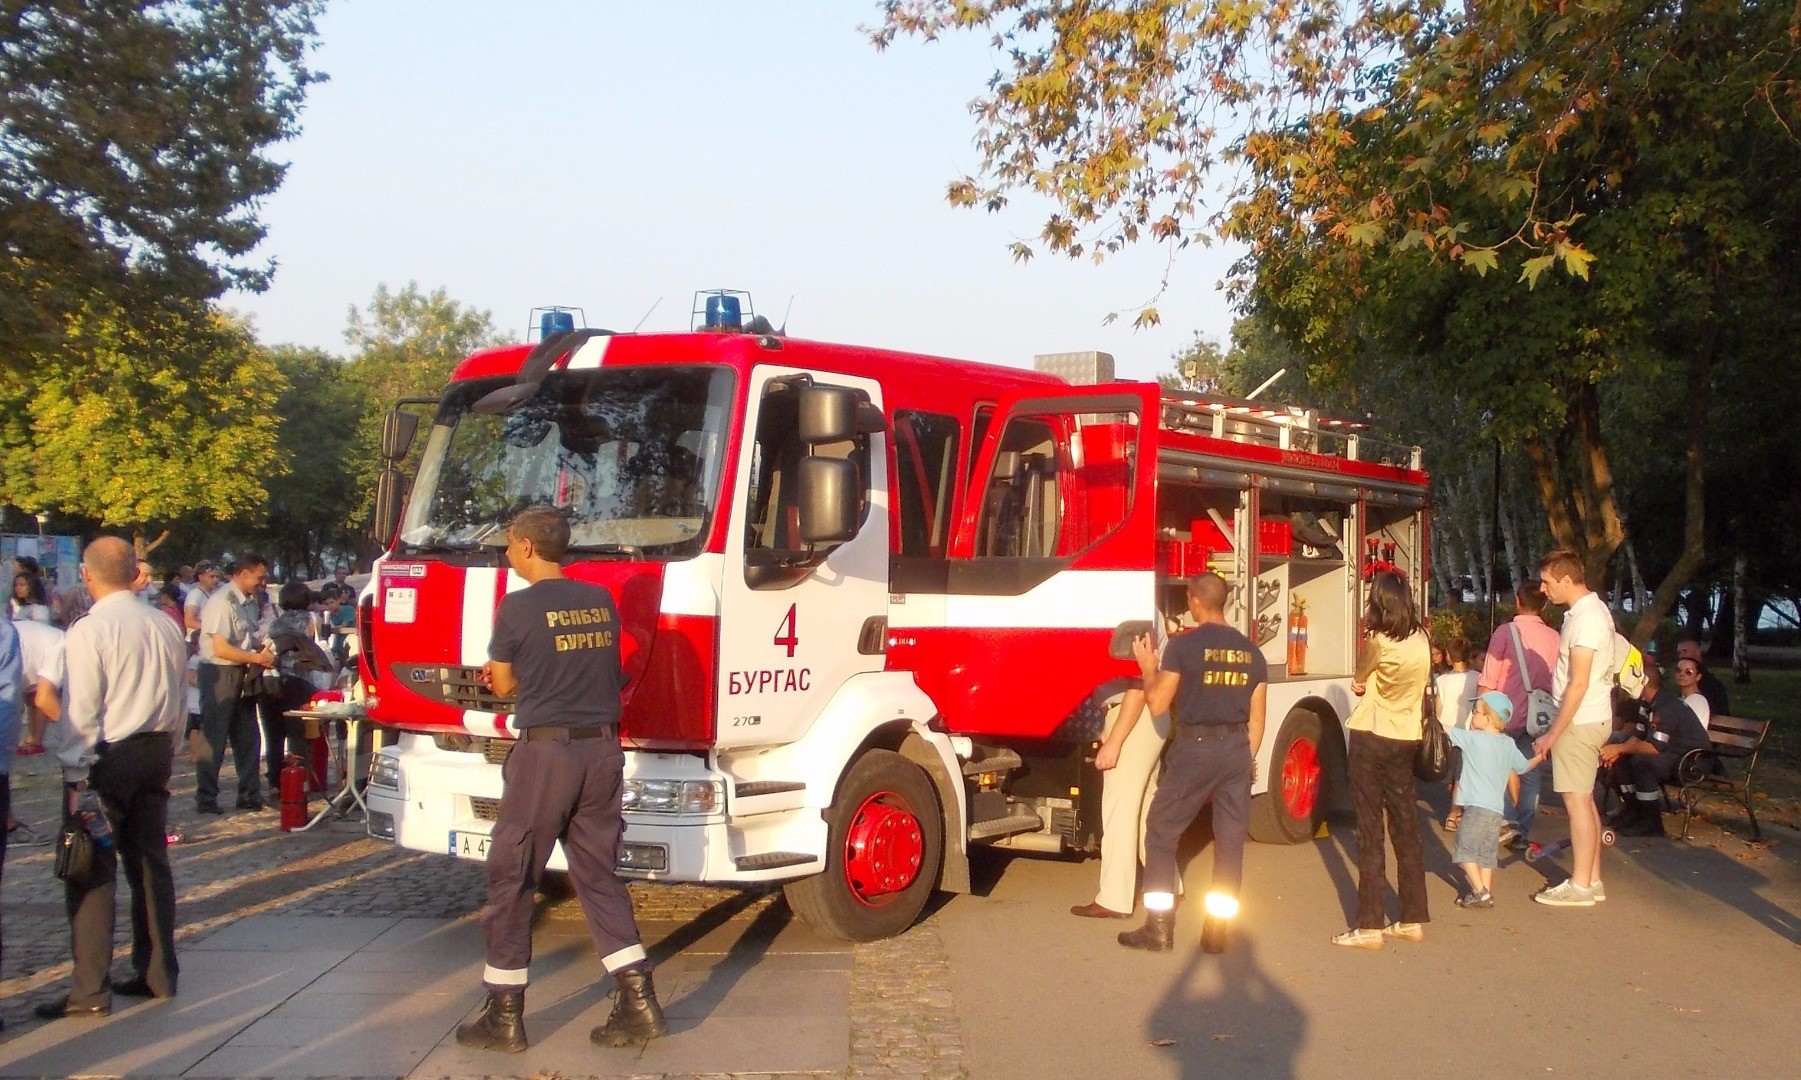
<point x="1694" y="501"/>
<point x="1640" y="595"/>
<point x="1741" y="621"/>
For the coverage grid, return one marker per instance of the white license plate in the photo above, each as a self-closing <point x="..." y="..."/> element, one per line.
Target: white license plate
<point x="469" y="845"/>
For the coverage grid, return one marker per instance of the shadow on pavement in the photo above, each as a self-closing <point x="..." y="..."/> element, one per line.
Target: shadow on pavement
<point x="1724" y="878"/>
<point x="1245" y="1028"/>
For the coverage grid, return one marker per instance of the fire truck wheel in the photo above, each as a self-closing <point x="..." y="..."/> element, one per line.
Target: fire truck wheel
<point x="883" y="848"/>
<point x="1289" y="811"/>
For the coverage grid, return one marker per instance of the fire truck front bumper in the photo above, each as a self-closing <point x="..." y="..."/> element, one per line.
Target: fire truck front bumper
<point x="677" y="823"/>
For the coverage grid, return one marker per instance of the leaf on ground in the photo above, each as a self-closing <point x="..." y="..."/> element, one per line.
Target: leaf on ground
<point x="1163" y="1042"/>
<point x="1221" y="1038"/>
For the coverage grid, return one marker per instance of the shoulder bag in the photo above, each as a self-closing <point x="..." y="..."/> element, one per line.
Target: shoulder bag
<point x="1541" y="711"/>
<point x="1432" y="761"/>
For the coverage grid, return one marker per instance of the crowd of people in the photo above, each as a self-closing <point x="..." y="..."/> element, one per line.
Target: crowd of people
<point x="107" y="675"/>
<point x="1576" y="707"/>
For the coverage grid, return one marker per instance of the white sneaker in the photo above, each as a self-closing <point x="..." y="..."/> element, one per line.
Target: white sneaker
<point x="1598" y="889"/>
<point x="1566" y="894"/>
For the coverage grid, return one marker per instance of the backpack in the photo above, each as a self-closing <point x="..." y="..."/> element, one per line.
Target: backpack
<point x="1541" y="710"/>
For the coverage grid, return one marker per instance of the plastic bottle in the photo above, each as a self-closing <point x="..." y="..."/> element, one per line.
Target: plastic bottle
<point x="93" y="819"/>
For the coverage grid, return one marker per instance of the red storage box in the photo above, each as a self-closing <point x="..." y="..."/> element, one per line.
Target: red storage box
<point x="1209" y="536"/>
<point x="1275" y="537"/>
<point x="1182" y="558"/>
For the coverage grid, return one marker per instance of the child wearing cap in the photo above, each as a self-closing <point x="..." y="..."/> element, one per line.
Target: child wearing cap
<point x="1489" y="758"/>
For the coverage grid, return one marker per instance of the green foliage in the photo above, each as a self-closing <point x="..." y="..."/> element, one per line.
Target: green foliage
<point x="142" y="418"/>
<point x="133" y="142"/>
<point x="405" y="344"/>
<point x="313" y="510"/>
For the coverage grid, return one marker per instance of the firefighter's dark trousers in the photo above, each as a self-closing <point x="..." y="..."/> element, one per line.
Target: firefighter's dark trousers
<point x="1201" y="763"/>
<point x="567" y="790"/>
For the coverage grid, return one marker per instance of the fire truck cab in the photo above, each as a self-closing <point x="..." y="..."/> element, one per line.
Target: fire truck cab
<point x="875" y="605"/>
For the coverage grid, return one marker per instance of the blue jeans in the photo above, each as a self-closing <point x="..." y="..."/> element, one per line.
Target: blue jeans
<point x="1521" y="814"/>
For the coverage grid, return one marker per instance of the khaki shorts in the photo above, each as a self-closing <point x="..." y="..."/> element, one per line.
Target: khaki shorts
<point x="1577" y="757"/>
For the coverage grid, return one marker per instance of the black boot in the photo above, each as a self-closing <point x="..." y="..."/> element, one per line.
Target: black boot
<point x="1158" y="934"/>
<point x="1646" y="820"/>
<point x="501" y="1026"/>
<point x="637" y="1018"/>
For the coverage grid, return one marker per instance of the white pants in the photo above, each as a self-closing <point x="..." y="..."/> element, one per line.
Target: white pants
<point x="1126" y="791"/>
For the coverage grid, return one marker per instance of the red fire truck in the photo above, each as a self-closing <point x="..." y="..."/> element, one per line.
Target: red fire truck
<point x="875" y="605"/>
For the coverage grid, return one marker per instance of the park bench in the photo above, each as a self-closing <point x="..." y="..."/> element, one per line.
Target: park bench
<point x="1724" y="770"/>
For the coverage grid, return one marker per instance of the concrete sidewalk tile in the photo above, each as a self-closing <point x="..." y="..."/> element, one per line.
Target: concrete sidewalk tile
<point x="221" y="994"/>
<point x="559" y="1047"/>
<point x="792" y="937"/>
<point x="739" y="1044"/>
<point x="430" y="982"/>
<point x="280" y="933"/>
<point x="408" y="935"/>
<point x="762" y="993"/>
<point x="337" y="1058"/>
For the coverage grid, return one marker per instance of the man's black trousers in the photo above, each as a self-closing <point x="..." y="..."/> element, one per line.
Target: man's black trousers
<point x="132" y="779"/>
<point x="226" y="717"/>
<point x="1196" y="769"/>
<point x="566" y="790"/>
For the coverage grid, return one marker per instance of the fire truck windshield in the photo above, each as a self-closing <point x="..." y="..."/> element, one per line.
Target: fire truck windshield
<point x="632" y="455"/>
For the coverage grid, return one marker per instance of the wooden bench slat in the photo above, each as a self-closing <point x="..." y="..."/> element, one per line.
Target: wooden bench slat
<point x="1726" y="741"/>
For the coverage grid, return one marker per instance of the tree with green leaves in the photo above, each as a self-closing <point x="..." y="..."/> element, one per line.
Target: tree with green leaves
<point x="142" y="418"/>
<point x="134" y="139"/>
<point x="404" y="344"/>
<point x="1407" y="178"/>
<point x="313" y="511"/>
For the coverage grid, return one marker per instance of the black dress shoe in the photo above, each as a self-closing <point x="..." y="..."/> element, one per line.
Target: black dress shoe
<point x="253" y="805"/>
<point x="56" y="1010"/>
<point x="138" y="988"/>
<point x="208" y="808"/>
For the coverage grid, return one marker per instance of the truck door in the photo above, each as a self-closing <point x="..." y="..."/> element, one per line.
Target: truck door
<point x="1053" y="553"/>
<point x="797" y="620"/>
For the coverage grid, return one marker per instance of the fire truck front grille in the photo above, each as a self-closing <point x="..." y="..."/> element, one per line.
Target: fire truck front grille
<point x="485" y="809"/>
<point x="457" y="686"/>
<point x="496" y="750"/>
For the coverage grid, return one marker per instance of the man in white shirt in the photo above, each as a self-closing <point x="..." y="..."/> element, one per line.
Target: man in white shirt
<point x="1583" y="686"/>
<point x="122" y="705"/>
<point x="206" y="583"/>
<point x="231" y="643"/>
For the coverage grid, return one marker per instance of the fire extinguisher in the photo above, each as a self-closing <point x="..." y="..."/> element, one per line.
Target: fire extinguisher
<point x="1297" y="638"/>
<point x="293" y="794"/>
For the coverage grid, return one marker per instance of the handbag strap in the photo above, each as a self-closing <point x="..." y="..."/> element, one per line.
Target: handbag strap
<point x="1519" y="657"/>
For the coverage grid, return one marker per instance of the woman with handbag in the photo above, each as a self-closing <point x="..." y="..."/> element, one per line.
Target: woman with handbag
<point x="1392" y="677"/>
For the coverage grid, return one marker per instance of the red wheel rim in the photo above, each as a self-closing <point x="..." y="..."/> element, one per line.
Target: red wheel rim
<point x="883" y="849"/>
<point x="1300" y="778"/>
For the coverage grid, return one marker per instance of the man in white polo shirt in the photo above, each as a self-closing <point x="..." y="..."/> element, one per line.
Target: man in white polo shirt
<point x="1583" y="687"/>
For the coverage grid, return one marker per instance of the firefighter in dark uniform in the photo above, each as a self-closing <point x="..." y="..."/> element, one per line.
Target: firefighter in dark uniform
<point x="1663" y="732"/>
<point x="556" y="645"/>
<point x="1213" y="681"/>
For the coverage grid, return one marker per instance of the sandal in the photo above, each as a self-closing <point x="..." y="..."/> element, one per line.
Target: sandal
<point x="1452" y="820"/>
<point x="1411" y="931"/>
<point x="1359" y="939"/>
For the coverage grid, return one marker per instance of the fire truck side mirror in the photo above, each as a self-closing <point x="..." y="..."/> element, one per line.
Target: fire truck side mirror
<point x="830" y="414"/>
<point x="1120" y="647"/>
<point x="829" y="495"/>
<point x="390" y="488"/>
<point x="397" y="431"/>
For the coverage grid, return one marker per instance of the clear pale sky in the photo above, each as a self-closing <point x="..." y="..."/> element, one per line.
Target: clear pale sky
<point x="611" y="156"/>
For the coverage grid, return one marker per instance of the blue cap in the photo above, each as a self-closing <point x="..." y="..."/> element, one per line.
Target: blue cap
<point x="1499" y="702"/>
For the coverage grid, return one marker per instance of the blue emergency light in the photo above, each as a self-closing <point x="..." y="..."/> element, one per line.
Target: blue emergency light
<point x="556" y="322"/>
<point x="724" y="313"/>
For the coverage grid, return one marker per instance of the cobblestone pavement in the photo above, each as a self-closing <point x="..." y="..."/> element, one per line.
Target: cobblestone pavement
<point x="227" y="868"/>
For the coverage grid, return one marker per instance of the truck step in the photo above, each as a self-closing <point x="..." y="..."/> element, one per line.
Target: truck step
<point x="1007" y="826"/>
<point x="772" y="860"/>
<point x="1000" y="761"/>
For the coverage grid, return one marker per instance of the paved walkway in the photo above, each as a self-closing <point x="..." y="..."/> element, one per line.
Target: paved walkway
<point x="328" y="954"/>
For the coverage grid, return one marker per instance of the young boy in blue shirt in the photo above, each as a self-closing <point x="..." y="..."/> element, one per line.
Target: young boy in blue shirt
<point x="1489" y="757"/>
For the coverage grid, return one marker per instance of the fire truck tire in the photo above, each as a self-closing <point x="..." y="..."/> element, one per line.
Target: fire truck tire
<point x="885" y="840"/>
<point x="1289" y="812"/>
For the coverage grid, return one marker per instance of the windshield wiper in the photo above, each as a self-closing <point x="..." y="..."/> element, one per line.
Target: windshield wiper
<point x="624" y="551"/>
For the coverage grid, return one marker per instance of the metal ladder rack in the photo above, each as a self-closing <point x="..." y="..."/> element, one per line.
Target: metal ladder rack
<point x="1285" y="427"/>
